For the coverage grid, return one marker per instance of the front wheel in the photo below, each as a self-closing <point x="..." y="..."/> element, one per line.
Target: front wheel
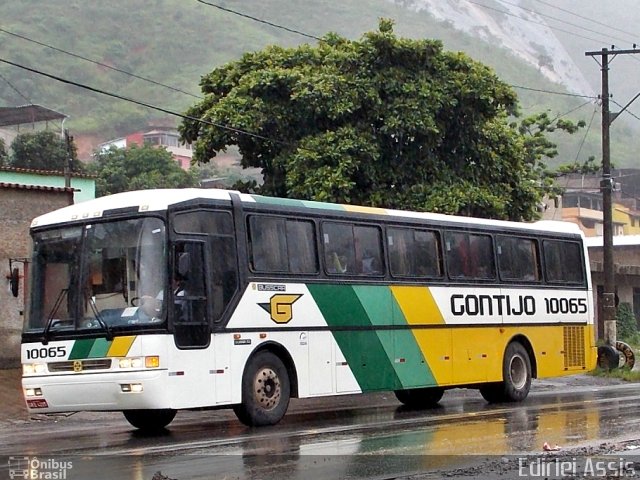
<point x="420" y="397"/>
<point x="516" y="374"/>
<point x="265" y="391"/>
<point x="149" y="420"/>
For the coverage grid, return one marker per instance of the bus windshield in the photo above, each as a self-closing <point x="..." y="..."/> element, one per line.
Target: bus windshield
<point x="98" y="276"/>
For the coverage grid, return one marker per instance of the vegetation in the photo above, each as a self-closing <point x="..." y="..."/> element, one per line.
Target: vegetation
<point x="43" y="150"/>
<point x="626" y="325"/>
<point x="622" y="373"/>
<point x="384" y="121"/>
<point x="138" y="168"/>
<point x="3" y="152"/>
<point x="210" y="37"/>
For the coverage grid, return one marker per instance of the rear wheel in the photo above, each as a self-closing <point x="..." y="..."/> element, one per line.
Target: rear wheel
<point x="420" y="397"/>
<point x="516" y="374"/>
<point x="265" y="391"/>
<point x="149" y="420"/>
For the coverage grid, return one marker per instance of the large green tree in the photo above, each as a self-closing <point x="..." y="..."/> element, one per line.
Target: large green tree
<point x="138" y="168"/>
<point x="43" y="150"/>
<point x="383" y="121"/>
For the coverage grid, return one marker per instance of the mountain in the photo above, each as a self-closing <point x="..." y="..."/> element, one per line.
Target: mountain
<point x="174" y="42"/>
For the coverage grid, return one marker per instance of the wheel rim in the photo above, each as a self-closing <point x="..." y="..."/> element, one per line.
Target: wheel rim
<point x="518" y="372"/>
<point x="266" y="386"/>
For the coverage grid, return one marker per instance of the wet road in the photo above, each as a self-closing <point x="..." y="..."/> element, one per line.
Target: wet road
<point x="349" y="437"/>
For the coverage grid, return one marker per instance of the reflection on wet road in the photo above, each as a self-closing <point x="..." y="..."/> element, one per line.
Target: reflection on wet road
<point x="358" y="437"/>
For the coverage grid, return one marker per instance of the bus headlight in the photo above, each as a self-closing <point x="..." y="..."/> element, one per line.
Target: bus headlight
<point x="139" y="362"/>
<point x="32" y="392"/>
<point x="33" y="368"/>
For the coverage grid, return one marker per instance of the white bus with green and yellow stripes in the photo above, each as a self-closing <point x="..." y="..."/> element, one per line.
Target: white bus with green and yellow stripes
<point x="154" y="301"/>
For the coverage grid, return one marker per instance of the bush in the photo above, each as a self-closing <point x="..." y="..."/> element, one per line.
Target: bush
<point x="626" y="322"/>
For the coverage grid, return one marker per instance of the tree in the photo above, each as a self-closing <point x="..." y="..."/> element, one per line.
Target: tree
<point x="43" y="150"/>
<point x="138" y="168"/>
<point x="383" y="121"/>
<point x="3" y="152"/>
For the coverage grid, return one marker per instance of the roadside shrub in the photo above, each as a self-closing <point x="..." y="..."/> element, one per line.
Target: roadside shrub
<point x="626" y="324"/>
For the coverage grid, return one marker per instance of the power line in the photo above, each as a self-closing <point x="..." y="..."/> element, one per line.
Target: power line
<point x="584" y="138"/>
<point x="586" y="18"/>
<point x="95" y="62"/>
<point x="256" y="19"/>
<point x="533" y="21"/>
<point x="544" y="15"/>
<point x="627" y="110"/>
<point x="15" y="89"/>
<point x="144" y="104"/>
<point x="567" y="94"/>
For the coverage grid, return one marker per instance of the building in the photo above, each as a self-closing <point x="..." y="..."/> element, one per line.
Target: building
<point x="19" y="204"/>
<point x="169" y="138"/>
<point x="83" y="186"/>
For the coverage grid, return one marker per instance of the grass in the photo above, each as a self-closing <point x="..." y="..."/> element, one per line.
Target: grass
<point x="622" y="373"/>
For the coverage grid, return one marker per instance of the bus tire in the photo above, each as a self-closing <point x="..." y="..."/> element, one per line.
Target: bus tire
<point x="266" y="390"/>
<point x="608" y="357"/>
<point x="149" y="420"/>
<point x="420" y="397"/>
<point x="628" y="355"/>
<point x="516" y="375"/>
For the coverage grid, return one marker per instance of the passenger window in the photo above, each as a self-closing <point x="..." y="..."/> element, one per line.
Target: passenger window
<point x="281" y="245"/>
<point x="414" y="253"/>
<point x="563" y="262"/>
<point x="518" y="259"/>
<point x="469" y="256"/>
<point x="352" y="249"/>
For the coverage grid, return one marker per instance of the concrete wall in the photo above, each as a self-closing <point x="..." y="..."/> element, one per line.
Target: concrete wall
<point x="18" y="206"/>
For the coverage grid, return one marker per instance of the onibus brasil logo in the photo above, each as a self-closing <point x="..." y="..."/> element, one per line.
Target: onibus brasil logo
<point x="280" y="307"/>
<point x="38" y="468"/>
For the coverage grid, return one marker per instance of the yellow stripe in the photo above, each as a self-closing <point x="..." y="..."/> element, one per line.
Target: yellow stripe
<point x="360" y="209"/>
<point x="120" y="346"/>
<point x="417" y="305"/>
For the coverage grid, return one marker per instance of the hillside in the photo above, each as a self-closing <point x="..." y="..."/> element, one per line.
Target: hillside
<point x="174" y="42"/>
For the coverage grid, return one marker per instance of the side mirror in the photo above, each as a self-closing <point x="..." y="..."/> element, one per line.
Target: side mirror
<point x="14" y="281"/>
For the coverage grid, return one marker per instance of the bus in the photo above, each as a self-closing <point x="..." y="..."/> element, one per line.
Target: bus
<point x="149" y="302"/>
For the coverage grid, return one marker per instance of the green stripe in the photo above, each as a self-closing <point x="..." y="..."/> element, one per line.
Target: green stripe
<point x="81" y="349"/>
<point x="292" y="202"/>
<point x="100" y="348"/>
<point x="364" y="350"/>
<point x="401" y="348"/>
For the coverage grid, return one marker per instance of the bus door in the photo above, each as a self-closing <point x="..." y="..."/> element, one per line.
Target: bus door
<point x="208" y="235"/>
<point x="188" y="309"/>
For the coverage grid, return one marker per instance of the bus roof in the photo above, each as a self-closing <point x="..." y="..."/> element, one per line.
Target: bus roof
<point x="161" y="199"/>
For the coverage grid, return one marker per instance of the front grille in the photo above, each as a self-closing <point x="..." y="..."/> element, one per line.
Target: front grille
<point x="574" y="354"/>
<point x="88" y="364"/>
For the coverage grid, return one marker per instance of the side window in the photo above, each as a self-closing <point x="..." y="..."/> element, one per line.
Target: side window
<point x="518" y="259"/>
<point x="563" y="262"/>
<point x="414" y="253"/>
<point x="281" y="245"/>
<point x="352" y="249"/>
<point x="469" y="256"/>
<point x="268" y="248"/>
<point x="301" y="246"/>
<point x="218" y="226"/>
<point x="188" y="294"/>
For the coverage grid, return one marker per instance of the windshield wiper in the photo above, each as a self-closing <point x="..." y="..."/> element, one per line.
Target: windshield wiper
<point x="100" y="320"/>
<point x="54" y="310"/>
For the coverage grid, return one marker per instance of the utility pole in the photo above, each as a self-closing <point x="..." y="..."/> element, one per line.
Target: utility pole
<point x="606" y="187"/>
